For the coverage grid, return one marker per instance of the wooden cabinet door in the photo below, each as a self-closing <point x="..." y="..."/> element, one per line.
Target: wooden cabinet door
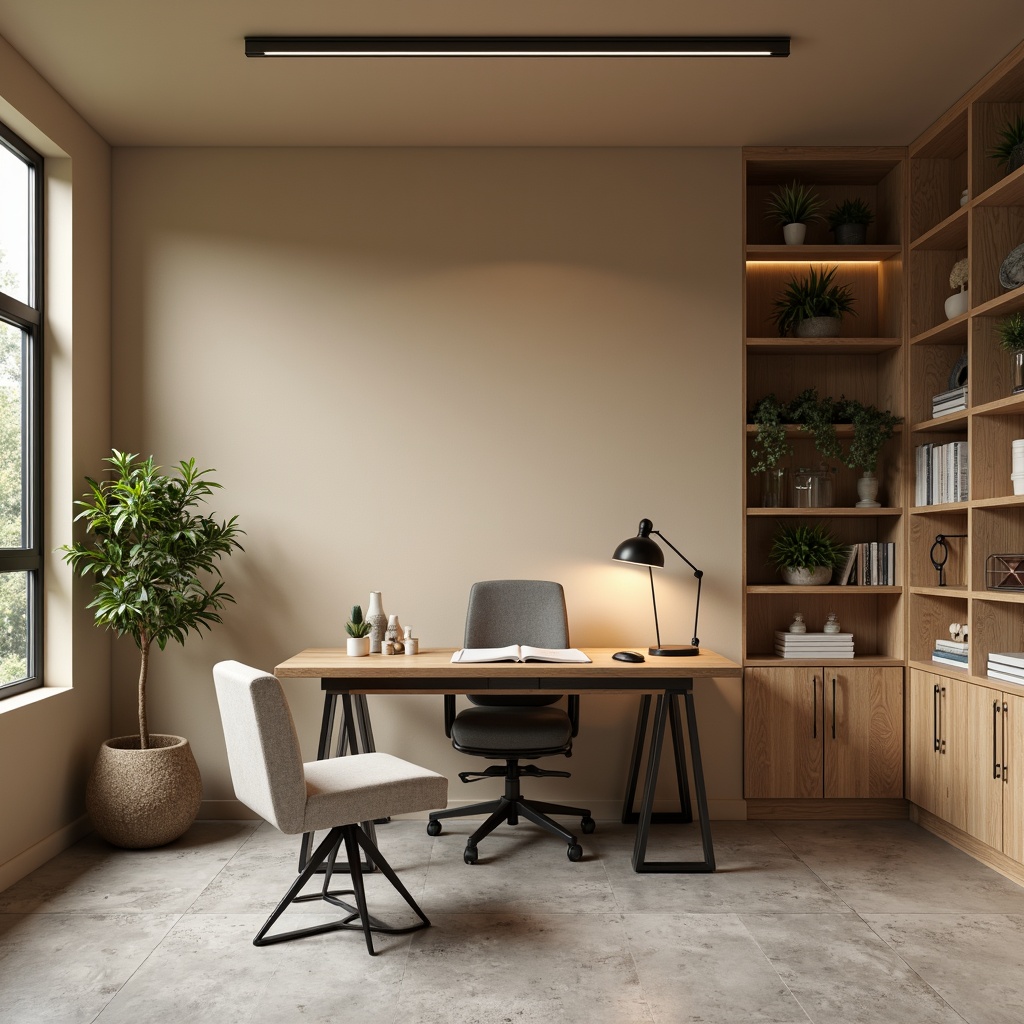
<point x="936" y="748"/>
<point x="982" y="767"/>
<point x="1013" y="776"/>
<point x="782" y="733"/>
<point x="863" y="731"/>
<point x="954" y="750"/>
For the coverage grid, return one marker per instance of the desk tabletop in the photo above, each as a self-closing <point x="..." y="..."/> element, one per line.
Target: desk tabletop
<point x="436" y="664"/>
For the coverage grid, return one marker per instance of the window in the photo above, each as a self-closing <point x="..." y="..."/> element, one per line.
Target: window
<point x="21" y="563"/>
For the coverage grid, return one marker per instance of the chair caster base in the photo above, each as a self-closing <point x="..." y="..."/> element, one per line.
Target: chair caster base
<point x="433" y="827"/>
<point x="575" y="852"/>
<point x="588" y="825"/>
<point x="470" y="855"/>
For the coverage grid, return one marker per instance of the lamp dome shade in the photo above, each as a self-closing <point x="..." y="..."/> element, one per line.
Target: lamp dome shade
<point x="640" y="550"/>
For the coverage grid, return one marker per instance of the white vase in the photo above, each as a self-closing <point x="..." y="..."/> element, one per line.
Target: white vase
<point x="867" y="491"/>
<point x="794" y="233"/>
<point x="956" y="304"/>
<point x="357" y="646"/>
<point x="816" y="577"/>
<point x="378" y="620"/>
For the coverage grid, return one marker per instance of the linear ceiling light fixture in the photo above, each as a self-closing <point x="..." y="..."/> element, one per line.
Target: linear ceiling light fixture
<point x="517" y="46"/>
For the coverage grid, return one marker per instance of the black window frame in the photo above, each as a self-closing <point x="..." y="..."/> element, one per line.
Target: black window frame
<point x="29" y="319"/>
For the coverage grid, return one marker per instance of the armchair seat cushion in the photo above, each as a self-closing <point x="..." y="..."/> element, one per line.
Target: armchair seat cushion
<point x="508" y="730"/>
<point x="346" y="790"/>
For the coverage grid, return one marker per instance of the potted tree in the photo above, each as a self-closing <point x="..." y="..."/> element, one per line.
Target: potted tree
<point x="849" y="221"/>
<point x="1009" y="150"/>
<point x="154" y="558"/>
<point x="794" y="206"/>
<point x="806" y="555"/>
<point x="872" y="427"/>
<point x="1011" y="338"/>
<point x="813" y="306"/>
<point x="357" y="644"/>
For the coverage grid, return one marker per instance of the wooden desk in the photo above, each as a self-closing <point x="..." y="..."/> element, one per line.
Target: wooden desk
<point x="432" y="671"/>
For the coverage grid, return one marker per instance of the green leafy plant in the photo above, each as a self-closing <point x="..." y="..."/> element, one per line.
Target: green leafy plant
<point x="850" y="211"/>
<point x="357" y="626"/>
<point x="794" y="204"/>
<point x="817" y="294"/>
<point x="770" y="446"/>
<point x="154" y="556"/>
<point x="1011" y="332"/>
<point x="818" y="416"/>
<point x="1011" y="135"/>
<point x="872" y="427"/>
<point x="806" y="547"/>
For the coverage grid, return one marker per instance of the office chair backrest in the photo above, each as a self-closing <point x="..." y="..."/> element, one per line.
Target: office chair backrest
<point x="263" y="749"/>
<point x="503" y="612"/>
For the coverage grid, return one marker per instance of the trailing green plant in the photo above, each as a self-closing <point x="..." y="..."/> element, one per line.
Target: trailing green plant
<point x="154" y="556"/>
<point x="818" y="416"/>
<point x="817" y="294"/>
<point x="804" y="546"/>
<point x="1011" y="332"/>
<point x="794" y="204"/>
<point x="770" y="446"/>
<point x="1011" y="135"/>
<point x="357" y="626"/>
<point x="850" y="211"/>
<point x="872" y="427"/>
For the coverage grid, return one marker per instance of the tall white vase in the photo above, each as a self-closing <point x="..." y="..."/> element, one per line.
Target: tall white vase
<point x="867" y="491"/>
<point x="378" y="620"/>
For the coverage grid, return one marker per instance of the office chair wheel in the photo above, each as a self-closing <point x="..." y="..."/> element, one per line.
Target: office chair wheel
<point x="588" y="825"/>
<point x="575" y="852"/>
<point x="469" y="855"/>
<point x="433" y="827"/>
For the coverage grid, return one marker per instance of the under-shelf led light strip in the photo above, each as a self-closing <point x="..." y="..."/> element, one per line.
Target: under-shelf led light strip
<point x="517" y="46"/>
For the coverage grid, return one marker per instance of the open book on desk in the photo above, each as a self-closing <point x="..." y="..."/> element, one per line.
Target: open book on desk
<point x="515" y="652"/>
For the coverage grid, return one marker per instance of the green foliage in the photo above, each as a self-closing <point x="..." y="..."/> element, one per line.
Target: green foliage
<point x="357" y="626"/>
<point x="152" y="554"/>
<point x="806" y="547"/>
<point x="1011" y="332"/>
<point x="794" y="204"/>
<point x="871" y="429"/>
<point x="818" y="416"/>
<point x="817" y="294"/>
<point x="1010" y="136"/>
<point x="850" y="211"/>
<point x="770" y="446"/>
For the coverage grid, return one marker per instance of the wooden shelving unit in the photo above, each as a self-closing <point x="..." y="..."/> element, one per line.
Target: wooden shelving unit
<point x="783" y="698"/>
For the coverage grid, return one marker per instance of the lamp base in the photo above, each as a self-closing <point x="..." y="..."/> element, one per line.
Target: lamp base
<point x="674" y="651"/>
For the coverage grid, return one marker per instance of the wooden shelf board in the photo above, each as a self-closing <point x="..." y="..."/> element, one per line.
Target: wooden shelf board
<point x="1001" y="596"/>
<point x="1003" y="501"/>
<point x="948" y="591"/>
<point x="857" y="661"/>
<point x="951" y="421"/>
<point x="950" y="506"/>
<point x="829" y="588"/>
<point x="1011" y="302"/>
<point x="949" y="234"/>
<point x="844" y="512"/>
<point x="822" y="346"/>
<point x="1009" y="191"/>
<point x="949" y="333"/>
<point x="1011" y="405"/>
<point x="822" y="253"/>
<point x="842" y="429"/>
<point x="940" y="669"/>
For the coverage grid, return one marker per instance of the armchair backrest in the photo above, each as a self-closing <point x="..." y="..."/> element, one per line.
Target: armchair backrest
<point x="263" y="748"/>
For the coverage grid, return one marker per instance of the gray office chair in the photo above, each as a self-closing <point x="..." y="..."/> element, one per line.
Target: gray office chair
<point x="336" y="794"/>
<point x="514" y="728"/>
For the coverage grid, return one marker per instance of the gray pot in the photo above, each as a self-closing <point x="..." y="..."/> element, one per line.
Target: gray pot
<point x="1016" y="158"/>
<point x="818" y="327"/>
<point x="816" y="577"/>
<point x="851" y="234"/>
<point x="139" y="799"/>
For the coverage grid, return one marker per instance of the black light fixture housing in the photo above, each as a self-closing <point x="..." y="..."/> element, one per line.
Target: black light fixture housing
<point x="643" y="550"/>
<point x="516" y="46"/>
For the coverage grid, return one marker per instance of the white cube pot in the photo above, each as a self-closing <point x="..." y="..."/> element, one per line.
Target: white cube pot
<point x="357" y="646"/>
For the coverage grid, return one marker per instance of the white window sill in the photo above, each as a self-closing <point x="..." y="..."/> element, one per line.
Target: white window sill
<point x="20" y="700"/>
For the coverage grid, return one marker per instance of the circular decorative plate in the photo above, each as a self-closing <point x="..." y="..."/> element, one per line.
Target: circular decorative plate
<point x="958" y="375"/>
<point x="1011" y="273"/>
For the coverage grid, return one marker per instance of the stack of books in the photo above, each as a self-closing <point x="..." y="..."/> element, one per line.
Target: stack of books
<point x="949" y="401"/>
<point x="951" y="652"/>
<point x="813" y="646"/>
<point x="940" y="473"/>
<point x="871" y="564"/>
<point x="1008" y="667"/>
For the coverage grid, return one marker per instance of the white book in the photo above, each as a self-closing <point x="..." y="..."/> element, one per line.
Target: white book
<point x="826" y="655"/>
<point x="1015" y="659"/>
<point x="1005" y="677"/>
<point x="515" y="652"/>
<point x="797" y="639"/>
<point x="957" y="646"/>
<point x="951" y="662"/>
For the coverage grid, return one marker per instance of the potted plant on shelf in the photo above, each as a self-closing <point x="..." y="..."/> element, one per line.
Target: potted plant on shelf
<point x="872" y="427"/>
<point x="1011" y="337"/>
<point x="849" y="221"/>
<point x="1009" y="150"/>
<point x="813" y="306"/>
<point x="806" y="555"/>
<point x="956" y="304"/>
<point x="769" y="449"/>
<point x="358" y="642"/>
<point x="154" y="558"/>
<point x="794" y="206"/>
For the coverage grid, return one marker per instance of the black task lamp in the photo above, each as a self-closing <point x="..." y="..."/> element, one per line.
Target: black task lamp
<point x="643" y="550"/>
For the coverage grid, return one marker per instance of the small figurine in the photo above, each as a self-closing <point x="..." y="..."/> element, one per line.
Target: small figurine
<point x="798" y="625"/>
<point x="412" y="645"/>
<point x="831" y="623"/>
<point x="391" y="636"/>
<point x="958" y="631"/>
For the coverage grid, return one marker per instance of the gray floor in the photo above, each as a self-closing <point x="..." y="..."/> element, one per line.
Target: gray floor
<point x="825" y="922"/>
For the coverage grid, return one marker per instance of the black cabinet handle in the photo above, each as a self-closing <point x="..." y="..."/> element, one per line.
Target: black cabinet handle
<point x="1006" y="712"/>
<point x="935" y="716"/>
<point x="995" y="749"/>
<point x="833" y="707"/>
<point x="942" y="723"/>
<point x="814" y="722"/>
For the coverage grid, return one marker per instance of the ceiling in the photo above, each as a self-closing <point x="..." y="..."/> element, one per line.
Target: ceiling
<point x="172" y="72"/>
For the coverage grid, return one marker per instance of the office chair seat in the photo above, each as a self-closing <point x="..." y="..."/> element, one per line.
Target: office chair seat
<point x="493" y="731"/>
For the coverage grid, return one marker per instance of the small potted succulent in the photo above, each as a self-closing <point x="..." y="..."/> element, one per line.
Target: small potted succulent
<point x="794" y="206"/>
<point x="1011" y="338"/>
<point x="813" y="306"/>
<point x="956" y="304"/>
<point x="849" y="221"/>
<point x="358" y="643"/>
<point x="1009" y="149"/>
<point x="806" y="555"/>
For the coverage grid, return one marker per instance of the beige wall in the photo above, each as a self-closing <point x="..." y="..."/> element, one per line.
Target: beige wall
<point x="413" y="369"/>
<point x="48" y="738"/>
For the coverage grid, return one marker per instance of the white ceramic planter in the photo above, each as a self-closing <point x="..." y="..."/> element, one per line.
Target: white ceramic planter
<point x="817" y="577"/>
<point x="357" y="646"/>
<point x="956" y="304"/>
<point x="794" y="234"/>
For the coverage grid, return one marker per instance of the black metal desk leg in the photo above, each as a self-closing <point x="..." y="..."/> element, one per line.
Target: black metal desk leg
<point x="662" y="714"/>
<point x="685" y="813"/>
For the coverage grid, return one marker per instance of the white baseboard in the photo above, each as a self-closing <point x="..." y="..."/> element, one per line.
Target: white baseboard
<point x="36" y="856"/>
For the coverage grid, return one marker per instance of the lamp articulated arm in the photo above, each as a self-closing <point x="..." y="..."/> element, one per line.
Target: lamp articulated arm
<point x="698" y="575"/>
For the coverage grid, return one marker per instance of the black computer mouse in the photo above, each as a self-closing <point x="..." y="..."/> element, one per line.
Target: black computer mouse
<point x="627" y="656"/>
